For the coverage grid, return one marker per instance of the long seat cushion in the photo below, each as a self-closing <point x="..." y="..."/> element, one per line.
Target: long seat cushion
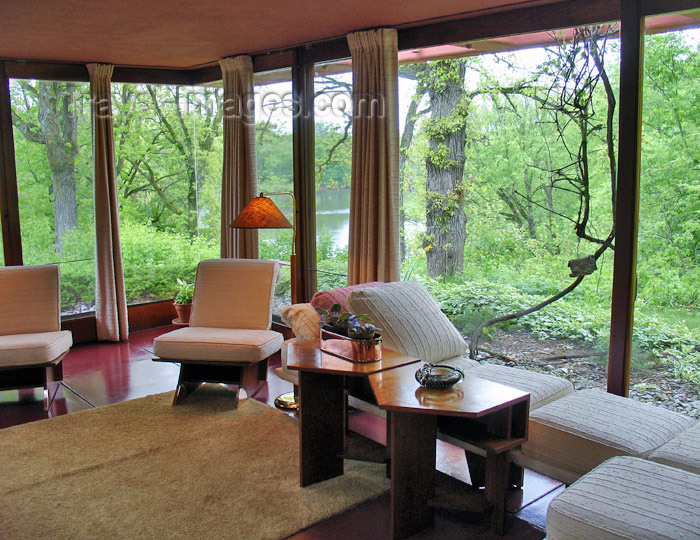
<point x="218" y="344"/>
<point x="543" y="388"/>
<point x="39" y="348"/>
<point x="283" y="372"/>
<point x="578" y="432"/>
<point x="628" y="498"/>
<point x="683" y="451"/>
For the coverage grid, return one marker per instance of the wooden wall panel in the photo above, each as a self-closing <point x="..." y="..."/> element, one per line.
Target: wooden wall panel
<point x="9" y="203"/>
<point x="304" y="175"/>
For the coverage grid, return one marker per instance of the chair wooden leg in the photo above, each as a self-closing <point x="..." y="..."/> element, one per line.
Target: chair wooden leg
<point x="250" y="379"/>
<point x="262" y="369"/>
<point x="184" y="389"/>
<point x="53" y="373"/>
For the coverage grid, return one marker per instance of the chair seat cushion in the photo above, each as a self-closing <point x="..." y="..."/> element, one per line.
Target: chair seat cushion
<point x="542" y="388"/>
<point x="683" y="451"/>
<point x="217" y="345"/>
<point x="580" y="431"/>
<point x="628" y="498"/>
<point x="33" y="349"/>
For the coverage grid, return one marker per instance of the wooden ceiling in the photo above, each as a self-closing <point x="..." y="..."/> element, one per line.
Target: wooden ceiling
<point x="187" y="33"/>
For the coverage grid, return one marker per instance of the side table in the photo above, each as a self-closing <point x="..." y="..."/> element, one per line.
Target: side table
<point x="322" y="398"/>
<point x="498" y="415"/>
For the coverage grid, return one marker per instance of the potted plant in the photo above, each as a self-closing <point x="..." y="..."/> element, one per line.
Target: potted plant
<point x="183" y="301"/>
<point x="362" y="338"/>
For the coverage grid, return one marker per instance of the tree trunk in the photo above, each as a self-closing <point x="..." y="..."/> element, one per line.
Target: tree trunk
<point x="445" y="218"/>
<point x="59" y="129"/>
<point x="404" y="145"/>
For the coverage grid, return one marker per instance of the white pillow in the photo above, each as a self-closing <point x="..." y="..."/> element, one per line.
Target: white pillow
<point x="411" y="321"/>
<point x="303" y="319"/>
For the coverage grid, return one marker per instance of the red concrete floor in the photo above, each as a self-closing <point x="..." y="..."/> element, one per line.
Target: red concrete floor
<point x="105" y="373"/>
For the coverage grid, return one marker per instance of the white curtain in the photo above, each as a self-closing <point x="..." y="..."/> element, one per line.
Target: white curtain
<point x="374" y="195"/>
<point x="239" y="181"/>
<point x="110" y="298"/>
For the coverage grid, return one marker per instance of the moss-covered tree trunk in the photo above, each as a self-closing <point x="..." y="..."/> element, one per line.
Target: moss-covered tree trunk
<point x="445" y="218"/>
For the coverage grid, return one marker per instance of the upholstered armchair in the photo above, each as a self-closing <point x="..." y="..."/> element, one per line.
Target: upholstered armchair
<point x="32" y="343"/>
<point x="229" y="338"/>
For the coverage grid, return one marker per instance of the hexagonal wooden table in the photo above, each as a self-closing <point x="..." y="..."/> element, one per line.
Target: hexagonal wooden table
<point x="497" y="415"/>
<point x="322" y="398"/>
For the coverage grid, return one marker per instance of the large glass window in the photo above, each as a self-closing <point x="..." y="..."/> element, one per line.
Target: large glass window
<point x="506" y="172"/>
<point x="333" y="163"/>
<point x="53" y="152"/>
<point x="666" y="352"/>
<point x="168" y="147"/>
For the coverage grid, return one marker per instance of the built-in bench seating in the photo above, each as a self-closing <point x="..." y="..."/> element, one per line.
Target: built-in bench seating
<point x="570" y="432"/>
<point x="628" y="498"/>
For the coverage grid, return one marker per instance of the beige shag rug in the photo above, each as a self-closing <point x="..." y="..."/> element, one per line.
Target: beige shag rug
<point x="144" y="469"/>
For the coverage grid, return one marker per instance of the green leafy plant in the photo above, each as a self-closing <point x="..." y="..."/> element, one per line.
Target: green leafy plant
<point x="185" y="292"/>
<point x="363" y="330"/>
<point x="346" y="324"/>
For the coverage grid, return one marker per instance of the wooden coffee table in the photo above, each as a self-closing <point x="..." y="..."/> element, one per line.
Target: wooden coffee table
<point x="496" y="414"/>
<point x="322" y="398"/>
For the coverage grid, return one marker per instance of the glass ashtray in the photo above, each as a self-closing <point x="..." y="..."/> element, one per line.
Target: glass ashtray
<point x="438" y="377"/>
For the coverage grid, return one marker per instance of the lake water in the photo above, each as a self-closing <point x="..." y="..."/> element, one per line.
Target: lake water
<point x="333" y="214"/>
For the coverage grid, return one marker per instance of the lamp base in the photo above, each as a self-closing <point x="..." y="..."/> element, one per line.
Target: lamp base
<point x="287" y="401"/>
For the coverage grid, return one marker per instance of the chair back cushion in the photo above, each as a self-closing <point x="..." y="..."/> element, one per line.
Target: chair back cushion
<point x="411" y="321"/>
<point x="31" y="298"/>
<point x="234" y="293"/>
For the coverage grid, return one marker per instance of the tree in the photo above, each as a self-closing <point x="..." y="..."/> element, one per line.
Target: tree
<point x="575" y="71"/>
<point x="669" y="235"/>
<point x="446" y="232"/>
<point x="164" y="137"/>
<point x="46" y="114"/>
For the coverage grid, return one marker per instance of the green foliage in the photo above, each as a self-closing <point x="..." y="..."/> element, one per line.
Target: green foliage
<point x="468" y="303"/>
<point x="518" y="242"/>
<point x="153" y="260"/>
<point x="185" y="292"/>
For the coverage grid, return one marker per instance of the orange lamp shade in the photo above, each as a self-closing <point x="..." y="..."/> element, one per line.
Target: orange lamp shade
<point x="261" y="213"/>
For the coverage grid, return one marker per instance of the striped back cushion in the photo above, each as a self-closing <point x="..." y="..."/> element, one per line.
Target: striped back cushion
<point x="411" y="321"/>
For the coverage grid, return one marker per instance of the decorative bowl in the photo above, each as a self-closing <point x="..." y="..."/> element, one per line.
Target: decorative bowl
<point x="438" y="377"/>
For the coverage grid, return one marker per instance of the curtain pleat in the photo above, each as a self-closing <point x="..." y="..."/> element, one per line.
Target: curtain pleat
<point x="373" y="253"/>
<point x="239" y="180"/>
<point x="110" y="297"/>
